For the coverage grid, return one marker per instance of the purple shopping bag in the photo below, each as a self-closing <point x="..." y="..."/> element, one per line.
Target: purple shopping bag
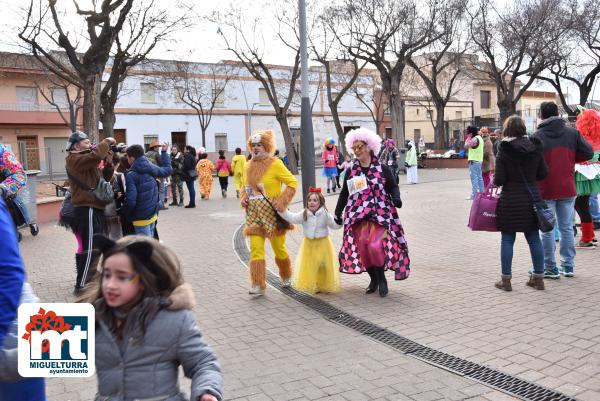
<point x="483" y="211"/>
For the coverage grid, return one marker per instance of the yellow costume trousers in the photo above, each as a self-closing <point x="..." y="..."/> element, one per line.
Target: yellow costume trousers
<point x="257" y="247"/>
<point x="205" y="183"/>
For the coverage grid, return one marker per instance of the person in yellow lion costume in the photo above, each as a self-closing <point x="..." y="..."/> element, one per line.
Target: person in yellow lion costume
<point x="265" y="176"/>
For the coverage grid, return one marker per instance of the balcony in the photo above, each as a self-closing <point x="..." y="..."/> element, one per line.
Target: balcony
<point x="31" y="114"/>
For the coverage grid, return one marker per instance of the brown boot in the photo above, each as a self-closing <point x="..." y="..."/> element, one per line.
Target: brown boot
<point x="536" y="281"/>
<point x="504" y="283"/>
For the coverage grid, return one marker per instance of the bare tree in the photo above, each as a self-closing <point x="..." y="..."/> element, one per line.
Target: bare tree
<point x="43" y="30"/>
<point x="517" y="44"/>
<point x="145" y="27"/>
<point x="442" y="64"/>
<point x="386" y="33"/>
<point x="244" y="39"/>
<point x="341" y="72"/>
<point x="63" y="96"/>
<point x="201" y="87"/>
<point x="576" y="60"/>
<point x="374" y="100"/>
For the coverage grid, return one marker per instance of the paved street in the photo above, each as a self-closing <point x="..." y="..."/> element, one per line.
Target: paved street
<point x="273" y="348"/>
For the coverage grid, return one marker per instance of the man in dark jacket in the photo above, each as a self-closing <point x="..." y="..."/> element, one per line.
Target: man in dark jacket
<point x="82" y="165"/>
<point x="142" y="195"/>
<point x="563" y="147"/>
<point x="176" y="177"/>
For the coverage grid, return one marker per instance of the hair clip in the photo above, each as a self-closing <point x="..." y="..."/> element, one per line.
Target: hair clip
<point x="314" y="190"/>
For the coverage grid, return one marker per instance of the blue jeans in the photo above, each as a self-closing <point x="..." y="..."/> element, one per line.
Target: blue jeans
<point x="563" y="210"/>
<point x="192" y="191"/>
<point x="476" y="178"/>
<point x="147" y="230"/>
<point x="535" y="248"/>
<point x="594" y="208"/>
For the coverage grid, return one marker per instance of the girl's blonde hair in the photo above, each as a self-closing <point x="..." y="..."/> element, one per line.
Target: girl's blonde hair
<point x="319" y="196"/>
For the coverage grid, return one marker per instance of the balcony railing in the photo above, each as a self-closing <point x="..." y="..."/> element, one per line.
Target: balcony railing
<point x="31" y="107"/>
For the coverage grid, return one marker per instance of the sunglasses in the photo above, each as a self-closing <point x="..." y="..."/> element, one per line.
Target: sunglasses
<point x="357" y="147"/>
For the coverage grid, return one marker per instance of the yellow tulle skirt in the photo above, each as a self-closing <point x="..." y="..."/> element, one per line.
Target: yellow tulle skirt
<point x="316" y="268"/>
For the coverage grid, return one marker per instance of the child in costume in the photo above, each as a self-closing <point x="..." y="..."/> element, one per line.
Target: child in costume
<point x="205" y="169"/>
<point x="238" y="165"/>
<point x="262" y="197"/>
<point x="223" y="172"/>
<point x="587" y="175"/>
<point x="145" y="328"/>
<point x="330" y="159"/>
<point x="316" y="268"/>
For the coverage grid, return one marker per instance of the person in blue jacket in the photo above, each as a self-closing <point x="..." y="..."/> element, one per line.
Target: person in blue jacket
<point x="12" y="286"/>
<point x="142" y="193"/>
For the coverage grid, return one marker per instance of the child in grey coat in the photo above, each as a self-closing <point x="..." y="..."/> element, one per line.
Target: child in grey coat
<point x="145" y="328"/>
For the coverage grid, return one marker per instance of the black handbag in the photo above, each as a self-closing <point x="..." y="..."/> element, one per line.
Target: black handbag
<point x="280" y="222"/>
<point x="544" y="215"/>
<point x="192" y="173"/>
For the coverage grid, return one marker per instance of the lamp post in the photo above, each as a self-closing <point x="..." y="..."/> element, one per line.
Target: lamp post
<point x="307" y="149"/>
<point x="250" y="116"/>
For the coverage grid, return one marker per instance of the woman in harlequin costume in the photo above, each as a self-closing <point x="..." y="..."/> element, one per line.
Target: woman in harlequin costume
<point x="373" y="235"/>
<point x="265" y="176"/>
<point x="330" y="159"/>
<point x="587" y="175"/>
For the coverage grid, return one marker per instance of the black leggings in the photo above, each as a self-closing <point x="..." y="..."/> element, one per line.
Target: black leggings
<point x="582" y="206"/>
<point x="224" y="181"/>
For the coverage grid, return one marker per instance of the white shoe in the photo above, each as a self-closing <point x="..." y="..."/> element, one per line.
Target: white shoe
<point x="468" y="198"/>
<point x="256" y="290"/>
<point x="286" y="282"/>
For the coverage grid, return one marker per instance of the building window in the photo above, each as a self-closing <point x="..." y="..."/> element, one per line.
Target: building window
<point x="27" y="95"/>
<point x="221" y="142"/>
<point x="429" y="113"/>
<point x="263" y="98"/>
<point x="59" y="97"/>
<point x="417" y="109"/>
<point x="148" y="139"/>
<point x="458" y="115"/>
<point x="179" y="93"/>
<point x="219" y="96"/>
<point x="486" y="97"/>
<point x="148" y="93"/>
<point x="386" y="109"/>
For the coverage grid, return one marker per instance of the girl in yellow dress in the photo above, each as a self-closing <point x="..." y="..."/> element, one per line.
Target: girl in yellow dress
<point x="238" y="165"/>
<point x="316" y="268"/>
<point x="205" y="169"/>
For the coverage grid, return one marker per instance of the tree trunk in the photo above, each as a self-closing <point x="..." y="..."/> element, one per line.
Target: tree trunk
<point x="91" y="107"/>
<point x="108" y="119"/>
<point x="507" y="106"/>
<point x="203" y="129"/>
<point x="73" y="109"/>
<point x="397" y="114"/>
<point x="289" y="142"/>
<point x="439" y="136"/>
<point x="338" y="127"/>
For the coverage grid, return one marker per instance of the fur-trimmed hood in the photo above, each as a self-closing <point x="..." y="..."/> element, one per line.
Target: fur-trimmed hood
<point x="182" y="297"/>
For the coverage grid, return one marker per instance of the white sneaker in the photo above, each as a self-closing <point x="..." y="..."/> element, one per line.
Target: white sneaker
<point x="286" y="282"/>
<point x="256" y="290"/>
<point x="468" y="198"/>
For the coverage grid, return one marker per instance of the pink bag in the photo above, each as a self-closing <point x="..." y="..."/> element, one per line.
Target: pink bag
<point x="483" y="211"/>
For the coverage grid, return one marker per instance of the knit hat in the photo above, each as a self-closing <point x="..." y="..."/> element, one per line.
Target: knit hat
<point x="76" y="137"/>
<point x="372" y="140"/>
<point x="264" y="137"/>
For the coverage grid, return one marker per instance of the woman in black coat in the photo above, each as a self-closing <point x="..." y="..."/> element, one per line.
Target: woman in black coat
<point x="519" y="157"/>
<point x="189" y="173"/>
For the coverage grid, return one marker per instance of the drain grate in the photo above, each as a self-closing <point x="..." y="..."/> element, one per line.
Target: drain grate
<point x="509" y="384"/>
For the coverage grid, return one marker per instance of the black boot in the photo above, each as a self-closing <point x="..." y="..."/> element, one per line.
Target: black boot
<point x="373" y="284"/>
<point x="383" y="287"/>
<point x="79" y="265"/>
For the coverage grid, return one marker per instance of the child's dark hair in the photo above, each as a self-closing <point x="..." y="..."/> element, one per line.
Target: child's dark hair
<point x="321" y="198"/>
<point x="159" y="271"/>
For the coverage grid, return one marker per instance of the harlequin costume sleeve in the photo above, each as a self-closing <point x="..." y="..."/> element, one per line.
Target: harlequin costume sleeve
<point x="12" y="175"/>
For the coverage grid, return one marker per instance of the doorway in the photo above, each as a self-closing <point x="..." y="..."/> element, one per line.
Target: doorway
<point x="55" y="155"/>
<point x="179" y="138"/>
<point x="120" y="135"/>
<point x="30" y="158"/>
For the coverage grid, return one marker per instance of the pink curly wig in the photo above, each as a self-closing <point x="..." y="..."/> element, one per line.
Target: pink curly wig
<point x="588" y="124"/>
<point x="372" y="140"/>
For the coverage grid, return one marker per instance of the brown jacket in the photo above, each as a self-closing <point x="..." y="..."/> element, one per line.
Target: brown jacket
<point x="489" y="161"/>
<point x="84" y="167"/>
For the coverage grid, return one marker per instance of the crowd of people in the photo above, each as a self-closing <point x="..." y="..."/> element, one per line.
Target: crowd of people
<point x="557" y="168"/>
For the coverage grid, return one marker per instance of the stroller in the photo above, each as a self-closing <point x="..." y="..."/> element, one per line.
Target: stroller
<point x="20" y="216"/>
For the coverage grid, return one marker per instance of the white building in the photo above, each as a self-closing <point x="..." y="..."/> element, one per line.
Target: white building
<point x="149" y="107"/>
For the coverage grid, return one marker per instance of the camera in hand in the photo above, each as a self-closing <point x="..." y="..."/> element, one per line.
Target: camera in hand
<point x="119" y="148"/>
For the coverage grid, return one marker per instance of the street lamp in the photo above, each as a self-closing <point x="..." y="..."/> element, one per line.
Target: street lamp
<point x="250" y="116"/>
